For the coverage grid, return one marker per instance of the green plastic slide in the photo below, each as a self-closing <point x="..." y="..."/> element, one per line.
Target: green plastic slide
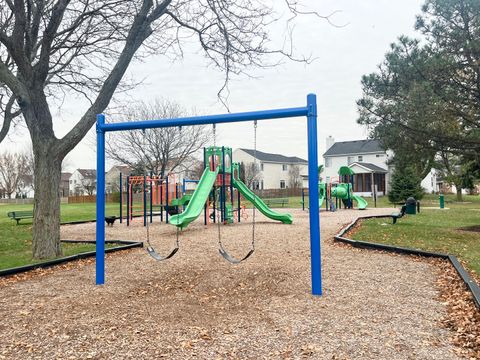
<point x="196" y="203"/>
<point x="260" y="205"/>
<point x="184" y="200"/>
<point x="361" y="202"/>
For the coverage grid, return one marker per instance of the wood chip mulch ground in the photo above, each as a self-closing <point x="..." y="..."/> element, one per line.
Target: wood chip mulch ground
<point x="375" y="305"/>
<point x="463" y="317"/>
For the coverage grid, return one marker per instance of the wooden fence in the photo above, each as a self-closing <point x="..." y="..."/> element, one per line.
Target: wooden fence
<point x="114" y="198"/>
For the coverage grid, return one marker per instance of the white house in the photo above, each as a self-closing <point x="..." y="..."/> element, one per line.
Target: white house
<point x="275" y="169"/>
<point x="83" y="182"/>
<point x="112" y="178"/>
<point x="369" y="162"/>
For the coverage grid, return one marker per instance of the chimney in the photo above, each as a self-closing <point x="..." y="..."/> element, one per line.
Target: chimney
<point x="329" y="142"/>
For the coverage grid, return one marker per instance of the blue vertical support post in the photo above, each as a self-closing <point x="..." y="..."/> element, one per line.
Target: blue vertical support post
<point x="128" y="200"/>
<point x="151" y="196"/>
<point x="315" y="250"/>
<point x="144" y="199"/>
<point x="166" y="199"/>
<point x="238" y="205"/>
<point x="161" y="200"/>
<point x="121" y="199"/>
<point x="100" y="224"/>
<point x="303" y="199"/>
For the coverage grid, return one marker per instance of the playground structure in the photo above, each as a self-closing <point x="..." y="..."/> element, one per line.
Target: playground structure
<point x="341" y="189"/>
<point x="159" y="196"/>
<point x="166" y="195"/>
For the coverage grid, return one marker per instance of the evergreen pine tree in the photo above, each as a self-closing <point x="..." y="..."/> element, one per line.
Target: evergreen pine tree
<point x="404" y="184"/>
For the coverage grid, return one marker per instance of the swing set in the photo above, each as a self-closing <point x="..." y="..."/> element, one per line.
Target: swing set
<point x="215" y="164"/>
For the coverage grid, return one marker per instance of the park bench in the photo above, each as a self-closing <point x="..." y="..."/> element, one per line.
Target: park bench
<point x="19" y="215"/>
<point x="396" y="216"/>
<point x="279" y="201"/>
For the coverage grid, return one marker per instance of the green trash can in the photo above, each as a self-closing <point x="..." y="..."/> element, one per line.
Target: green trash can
<point x="442" y="201"/>
<point x="411" y="204"/>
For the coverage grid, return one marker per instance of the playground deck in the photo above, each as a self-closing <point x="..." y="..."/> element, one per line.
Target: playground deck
<point x="376" y="306"/>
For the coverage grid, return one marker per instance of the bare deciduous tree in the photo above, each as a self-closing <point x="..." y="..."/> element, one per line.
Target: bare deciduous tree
<point x="88" y="186"/>
<point x="157" y="150"/>
<point x="13" y="171"/>
<point x="294" y="177"/>
<point x="50" y="49"/>
<point x="250" y="174"/>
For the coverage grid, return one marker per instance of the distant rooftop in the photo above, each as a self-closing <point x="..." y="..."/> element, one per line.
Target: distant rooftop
<point x="369" y="166"/>
<point x="88" y="173"/>
<point x="275" y="158"/>
<point x="354" y="147"/>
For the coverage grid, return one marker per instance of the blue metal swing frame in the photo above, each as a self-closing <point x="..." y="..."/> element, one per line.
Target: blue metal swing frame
<point x="309" y="111"/>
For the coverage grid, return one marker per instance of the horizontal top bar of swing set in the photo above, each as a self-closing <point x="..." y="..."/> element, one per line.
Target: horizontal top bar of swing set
<point x="202" y="120"/>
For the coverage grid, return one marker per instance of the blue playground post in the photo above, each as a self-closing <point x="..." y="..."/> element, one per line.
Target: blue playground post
<point x="310" y="111"/>
<point x="161" y="200"/>
<point x="151" y="196"/>
<point x="166" y="199"/>
<point x="144" y="200"/>
<point x="315" y="251"/>
<point x="128" y="200"/>
<point x="100" y="225"/>
<point x="121" y="198"/>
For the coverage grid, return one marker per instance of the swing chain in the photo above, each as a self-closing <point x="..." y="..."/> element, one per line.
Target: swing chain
<point x="254" y="179"/>
<point x="216" y="213"/>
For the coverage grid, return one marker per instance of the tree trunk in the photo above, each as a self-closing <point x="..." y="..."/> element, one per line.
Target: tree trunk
<point x="459" y="193"/>
<point x="46" y="222"/>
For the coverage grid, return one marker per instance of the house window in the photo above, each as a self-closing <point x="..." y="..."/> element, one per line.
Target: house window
<point x="360" y="158"/>
<point x="350" y="160"/>
<point x="71" y="181"/>
<point x="284" y="167"/>
<point x="261" y="184"/>
<point x="282" y="184"/>
<point x="328" y="162"/>
<point x="327" y="180"/>
<point x="261" y="166"/>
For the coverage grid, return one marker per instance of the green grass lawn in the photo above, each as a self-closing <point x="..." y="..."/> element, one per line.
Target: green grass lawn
<point x="16" y="241"/>
<point x="432" y="230"/>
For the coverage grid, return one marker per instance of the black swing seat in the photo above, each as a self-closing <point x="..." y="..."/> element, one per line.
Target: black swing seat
<point x="151" y="251"/>
<point x="231" y="259"/>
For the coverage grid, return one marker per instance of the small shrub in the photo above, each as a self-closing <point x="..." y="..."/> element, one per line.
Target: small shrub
<point x="405" y="184"/>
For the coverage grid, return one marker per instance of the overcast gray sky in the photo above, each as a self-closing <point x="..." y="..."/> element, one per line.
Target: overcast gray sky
<point x="342" y="55"/>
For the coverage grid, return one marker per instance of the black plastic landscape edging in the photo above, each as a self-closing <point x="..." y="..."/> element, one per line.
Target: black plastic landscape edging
<point x="124" y="246"/>
<point x="471" y="284"/>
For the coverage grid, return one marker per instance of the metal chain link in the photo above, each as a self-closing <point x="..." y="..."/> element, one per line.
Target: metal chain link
<point x="146" y="185"/>
<point x="216" y="212"/>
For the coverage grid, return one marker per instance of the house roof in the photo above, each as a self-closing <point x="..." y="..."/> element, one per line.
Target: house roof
<point x="65" y="176"/>
<point x="370" y="167"/>
<point x="88" y="173"/>
<point x="124" y="169"/>
<point x="354" y="147"/>
<point x="275" y="158"/>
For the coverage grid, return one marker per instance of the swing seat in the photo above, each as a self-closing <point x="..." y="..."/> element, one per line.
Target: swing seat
<point x="230" y="258"/>
<point x="151" y="251"/>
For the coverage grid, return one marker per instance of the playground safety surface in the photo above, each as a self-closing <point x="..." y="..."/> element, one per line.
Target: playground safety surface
<point x="196" y="305"/>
